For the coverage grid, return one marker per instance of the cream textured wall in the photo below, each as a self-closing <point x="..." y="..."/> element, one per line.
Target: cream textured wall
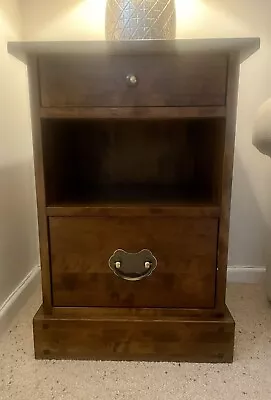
<point x="84" y="19"/>
<point x="18" y="227"/>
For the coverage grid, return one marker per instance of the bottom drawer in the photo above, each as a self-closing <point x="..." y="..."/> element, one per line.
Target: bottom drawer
<point x="185" y="250"/>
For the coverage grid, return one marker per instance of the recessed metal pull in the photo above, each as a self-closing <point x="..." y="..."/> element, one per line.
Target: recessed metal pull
<point x="132" y="266"/>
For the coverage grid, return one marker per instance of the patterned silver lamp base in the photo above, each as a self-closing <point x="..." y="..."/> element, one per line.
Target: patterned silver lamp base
<point x="140" y="19"/>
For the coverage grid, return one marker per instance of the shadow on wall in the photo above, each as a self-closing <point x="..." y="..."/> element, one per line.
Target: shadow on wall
<point x="18" y="243"/>
<point x="249" y="231"/>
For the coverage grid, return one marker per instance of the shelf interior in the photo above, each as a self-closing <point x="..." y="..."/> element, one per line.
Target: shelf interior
<point x="111" y="162"/>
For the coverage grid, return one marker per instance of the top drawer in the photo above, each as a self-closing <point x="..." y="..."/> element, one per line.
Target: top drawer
<point x="160" y="80"/>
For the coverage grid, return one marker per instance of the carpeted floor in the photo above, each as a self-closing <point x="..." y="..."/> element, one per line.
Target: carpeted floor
<point x="248" y="378"/>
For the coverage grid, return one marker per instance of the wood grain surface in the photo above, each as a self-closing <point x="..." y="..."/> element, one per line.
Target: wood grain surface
<point x="131" y="210"/>
<point x="100" y="81"/>
<point x="132" y="338"/>
<point x="185" y="250"/>
<point x="135" y="113"/>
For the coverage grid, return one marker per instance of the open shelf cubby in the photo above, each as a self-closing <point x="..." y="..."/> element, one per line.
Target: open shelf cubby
<point x="133" y="161"/>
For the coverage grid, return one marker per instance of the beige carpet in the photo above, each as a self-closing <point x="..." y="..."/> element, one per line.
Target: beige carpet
<point x="249" y="377"/>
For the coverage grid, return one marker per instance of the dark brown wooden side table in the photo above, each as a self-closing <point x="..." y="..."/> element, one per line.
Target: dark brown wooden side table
<point x="133" y="147"/>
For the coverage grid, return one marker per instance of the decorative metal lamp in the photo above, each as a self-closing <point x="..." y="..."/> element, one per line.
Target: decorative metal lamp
<point x="140" y="19"/>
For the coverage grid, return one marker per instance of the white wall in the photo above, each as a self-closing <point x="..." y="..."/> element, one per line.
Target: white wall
<point x="18" y="227"/>
<point x="84" y="19"/>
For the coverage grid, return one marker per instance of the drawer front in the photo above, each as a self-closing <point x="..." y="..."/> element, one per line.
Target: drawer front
<point x="185" y="250"/>
<point x="107" y="81"/>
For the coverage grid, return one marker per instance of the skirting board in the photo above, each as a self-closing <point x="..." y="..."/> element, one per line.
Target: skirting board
<point x="246" y="274"/>
<point x="18" y="298"/>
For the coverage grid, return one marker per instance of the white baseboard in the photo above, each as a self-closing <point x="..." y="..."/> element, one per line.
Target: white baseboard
<point x="246" y="274"/>
<point x="18" y="298"/>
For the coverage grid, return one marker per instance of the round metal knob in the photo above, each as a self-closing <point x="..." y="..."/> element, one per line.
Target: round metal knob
<point x="131" y="80"/>
<point x="117" y="264"/>
<point x="147" y="264"/>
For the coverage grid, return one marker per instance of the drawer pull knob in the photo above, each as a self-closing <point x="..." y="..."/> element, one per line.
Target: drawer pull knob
<point x="131" y="80"/>
<point x="117" y="264"/>
<point x="147" y="264"/>
<point x="132" y="266"/>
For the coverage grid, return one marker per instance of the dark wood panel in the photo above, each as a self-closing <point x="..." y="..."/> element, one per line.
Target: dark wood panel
<point x="166" y="314"/>
<point x="185" y="250"/>
<point x="132" y="210"/>
<point x="125" y="338"/>
<point x="132" y="112"/>
<point x="100" y="81"/>
<point x="209" y="155"/>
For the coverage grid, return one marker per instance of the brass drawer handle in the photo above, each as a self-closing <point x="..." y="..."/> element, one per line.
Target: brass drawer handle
<point x="132" y="266"/>
<point x="131" y="80"/>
